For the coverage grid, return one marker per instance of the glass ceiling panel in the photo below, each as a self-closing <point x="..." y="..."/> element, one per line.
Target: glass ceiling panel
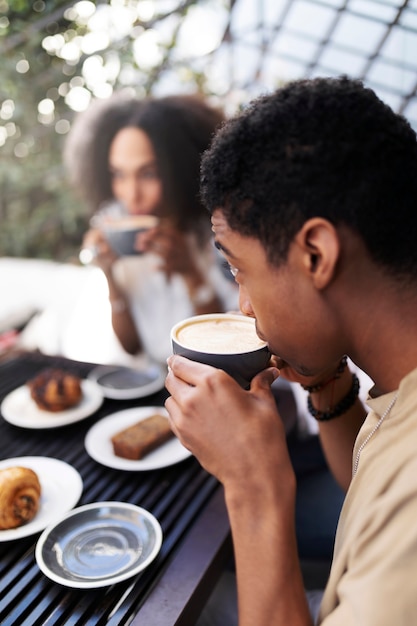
<point x="337" y="4"/>
<point x="360" y="33"/>
<point x="401" y="46"/>
<point x="369" y="8"/>
<point x="384" y="74"/>
<point x="288" y="45"/>
<point x="309" y="18"/>
<point x="411" y="113"/>
<point x="350" y="63"/>
<point x="250" y="59"/>
<point x="396" y="3"/>
<point x="272" y="10"/>
<point x="245" y="17"/>
<point x="375" y="40"/>
<point x="276" y="72"/>
<point x="409" y="19"/>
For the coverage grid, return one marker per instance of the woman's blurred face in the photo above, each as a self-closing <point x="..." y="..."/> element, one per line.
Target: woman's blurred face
<point x="134" y="172"/>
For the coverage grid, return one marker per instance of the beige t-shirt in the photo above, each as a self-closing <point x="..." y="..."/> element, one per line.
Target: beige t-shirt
<point x="372" y="580"/>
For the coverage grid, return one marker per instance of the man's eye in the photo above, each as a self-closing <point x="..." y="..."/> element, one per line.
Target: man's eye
<point x="233" y="270"/>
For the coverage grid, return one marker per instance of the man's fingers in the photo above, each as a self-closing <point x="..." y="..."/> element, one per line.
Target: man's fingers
<point x="188" y="371"/>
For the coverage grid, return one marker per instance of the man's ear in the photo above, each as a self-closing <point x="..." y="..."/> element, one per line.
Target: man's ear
<point x="319" y="244"/>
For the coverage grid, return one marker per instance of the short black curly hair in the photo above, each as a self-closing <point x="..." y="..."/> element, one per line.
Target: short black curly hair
<point x="322" y="147"/>
<point x="180" y="128"/>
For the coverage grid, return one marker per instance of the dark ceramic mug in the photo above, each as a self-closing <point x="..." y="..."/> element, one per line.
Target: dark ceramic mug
<point x="224" y="340"/>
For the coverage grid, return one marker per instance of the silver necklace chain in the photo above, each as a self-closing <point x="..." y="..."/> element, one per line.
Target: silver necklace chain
<point x="373" y="431"/>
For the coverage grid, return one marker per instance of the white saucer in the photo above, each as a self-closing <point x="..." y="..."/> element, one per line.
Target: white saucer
<point x="98" y="545"/>
<point x="125" y="383"/>
<point x="99" y="446"/>
<point x="61" y="487"/>
<point x="19" y="409"/>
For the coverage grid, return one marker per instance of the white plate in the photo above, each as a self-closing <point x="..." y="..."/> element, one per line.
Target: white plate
<point x="19" y="409"/>
<point x="99" y="446"/>
<point x="99" y="544"/>
<point x="125" y="383"/>
<point x="61" y="487"/>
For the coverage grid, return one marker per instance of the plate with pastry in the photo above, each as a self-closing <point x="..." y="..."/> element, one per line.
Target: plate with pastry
<point x="134" y="440"/>
<point x="99" y="544"/>
<point x="126" y="383"/>
<point x="52" y="398"/>
<point x="34" y="492"/>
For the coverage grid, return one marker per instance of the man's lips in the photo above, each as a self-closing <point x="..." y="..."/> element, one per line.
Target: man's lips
<point x="278" y="359"/>
<point x="260" y="335"/>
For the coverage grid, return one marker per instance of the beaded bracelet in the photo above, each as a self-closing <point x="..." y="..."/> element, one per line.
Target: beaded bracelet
<point x="341" y="407"/>
<point x="319" y="386"/>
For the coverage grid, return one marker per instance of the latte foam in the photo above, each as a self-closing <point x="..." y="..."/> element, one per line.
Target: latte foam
<point x="220" y="336"/>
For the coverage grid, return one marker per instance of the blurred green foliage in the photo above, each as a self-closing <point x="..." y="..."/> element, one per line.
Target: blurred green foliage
<point x="39" y="215"/>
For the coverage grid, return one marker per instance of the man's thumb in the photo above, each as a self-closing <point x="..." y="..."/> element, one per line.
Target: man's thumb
<point x="264" y="379"/>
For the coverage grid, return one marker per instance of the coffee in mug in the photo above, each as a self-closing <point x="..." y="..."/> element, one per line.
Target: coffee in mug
<point x="224" y="340"/>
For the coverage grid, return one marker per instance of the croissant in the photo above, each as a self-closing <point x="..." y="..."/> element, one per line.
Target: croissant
<point x="20" y="493"/>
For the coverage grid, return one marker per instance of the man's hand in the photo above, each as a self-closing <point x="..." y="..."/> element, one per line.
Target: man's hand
<point x="231" y="431"/>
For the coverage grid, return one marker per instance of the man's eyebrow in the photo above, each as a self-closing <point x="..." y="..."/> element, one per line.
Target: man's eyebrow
<point x="222" y="248"/>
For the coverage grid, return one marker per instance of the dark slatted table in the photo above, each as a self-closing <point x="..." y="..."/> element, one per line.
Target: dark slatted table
<point x="186" y="500"/>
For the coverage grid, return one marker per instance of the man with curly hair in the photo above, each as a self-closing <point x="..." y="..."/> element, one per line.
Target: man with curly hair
<point x="312" y="191"/>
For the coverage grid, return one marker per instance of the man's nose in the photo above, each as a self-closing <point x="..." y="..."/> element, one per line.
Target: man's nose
<point x="244" y="302"/>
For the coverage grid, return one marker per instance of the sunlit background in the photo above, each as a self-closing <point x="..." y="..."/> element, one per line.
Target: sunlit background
<point x="57" y="56"/>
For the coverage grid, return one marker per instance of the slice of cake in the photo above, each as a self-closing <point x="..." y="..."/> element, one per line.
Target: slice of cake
<point x="138" y="440"/>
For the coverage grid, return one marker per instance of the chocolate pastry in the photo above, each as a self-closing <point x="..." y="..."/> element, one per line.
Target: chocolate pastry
<point x="55" y="390"/>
